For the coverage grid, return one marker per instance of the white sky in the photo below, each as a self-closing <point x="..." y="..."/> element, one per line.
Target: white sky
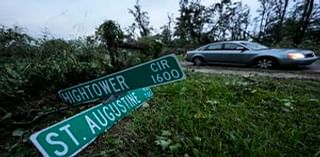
<point x="72" y="18"/>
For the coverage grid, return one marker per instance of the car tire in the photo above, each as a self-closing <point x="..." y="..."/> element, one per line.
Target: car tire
<point x="265" y="63"/>
<point x="197" y="61"/>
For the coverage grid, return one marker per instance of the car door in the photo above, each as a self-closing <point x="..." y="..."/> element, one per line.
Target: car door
<point x="211" y="52"/>
<point x="234" y="54"/>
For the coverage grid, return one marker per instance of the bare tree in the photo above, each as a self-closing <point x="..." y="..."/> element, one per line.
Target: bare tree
<point x="166" y="34"/>
<point x="141" y="19"/>
<point x="304" y="21"/>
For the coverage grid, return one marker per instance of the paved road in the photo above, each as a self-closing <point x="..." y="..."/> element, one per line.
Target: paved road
<point x="310" y="72"/>
<point x="313" y="68"/>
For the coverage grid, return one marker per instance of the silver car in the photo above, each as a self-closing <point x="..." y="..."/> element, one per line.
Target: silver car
<point x="249" y="54"/>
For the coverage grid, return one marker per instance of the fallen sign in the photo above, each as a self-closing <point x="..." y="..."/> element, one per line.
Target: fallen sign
<point x="159" y="71"/>
<point x="70" y="136"/>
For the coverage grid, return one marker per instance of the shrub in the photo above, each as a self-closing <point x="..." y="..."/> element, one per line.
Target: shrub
<point x="153" y="46"/>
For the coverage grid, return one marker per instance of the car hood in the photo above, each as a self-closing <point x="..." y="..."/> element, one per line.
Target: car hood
<point x="286" y="50"/>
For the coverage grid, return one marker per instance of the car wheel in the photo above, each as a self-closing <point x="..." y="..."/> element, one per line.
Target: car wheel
<point x="198" y="61"/>
<point x="266" y="63"/>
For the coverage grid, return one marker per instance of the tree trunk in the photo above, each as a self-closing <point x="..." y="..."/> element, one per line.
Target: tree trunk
<point x="112" y="56"/>
<point x="307" y="18"/>
<point x="304" y="22"/>
<point x="279" y="33"/>
<point x="262" y="19"/>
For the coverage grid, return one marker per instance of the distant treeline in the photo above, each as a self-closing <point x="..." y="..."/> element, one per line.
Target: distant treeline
<point x="280" y="23"/>
<point x="277" y="22"/>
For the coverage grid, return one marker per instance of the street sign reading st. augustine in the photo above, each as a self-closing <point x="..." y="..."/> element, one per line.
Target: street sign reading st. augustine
<point x="159" y="71"/>
<point x="71" y="135"/>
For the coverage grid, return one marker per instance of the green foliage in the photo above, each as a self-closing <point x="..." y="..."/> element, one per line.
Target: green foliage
<point x="190" y="24"/>
<point x="33" y="68"/>
<point x="26" y="79"/>
<point x="280" y="22"/>
<point x="214" y="115"/>
<point x="306" y="44"/>
<point x="111" y="36"/>
<point x="141" y="20"/>
<point x="153" y="46"/>
<point x="54" y="47"/>
<point x="110" y="33"/>
<point x="283" y="22"/>
<point x="209" y="115"/>
<point x="166" y="35"/>
<point x="14" y="42"/>
<point x="199" y="24"/>
<point x="39" y="67"/>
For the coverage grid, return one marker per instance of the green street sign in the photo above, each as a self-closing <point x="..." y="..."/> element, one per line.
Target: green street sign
<point x="159" y="71"/>
<point x="70" y="136"/>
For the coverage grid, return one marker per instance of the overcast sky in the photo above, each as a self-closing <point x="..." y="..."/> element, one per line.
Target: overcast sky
<point x="72" y="18"/>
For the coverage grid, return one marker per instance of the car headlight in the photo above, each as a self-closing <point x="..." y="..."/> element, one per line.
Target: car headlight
<point x="295" y="56"/>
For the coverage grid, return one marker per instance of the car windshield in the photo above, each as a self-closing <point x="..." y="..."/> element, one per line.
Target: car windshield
<point x="254" y="46"/>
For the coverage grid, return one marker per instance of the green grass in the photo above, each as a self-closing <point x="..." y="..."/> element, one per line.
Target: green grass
<point x="214" y="115"/>
<point x="210" y="115"/>
<point x="180" y="58"/>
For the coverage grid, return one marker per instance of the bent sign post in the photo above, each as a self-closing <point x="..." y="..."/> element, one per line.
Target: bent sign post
<point x="70" y="136"/>
<point x="159" y="71"/>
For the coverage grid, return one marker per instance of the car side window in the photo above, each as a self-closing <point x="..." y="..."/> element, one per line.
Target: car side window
<point x="231" y="46"/>
<point x="214" y="47"/>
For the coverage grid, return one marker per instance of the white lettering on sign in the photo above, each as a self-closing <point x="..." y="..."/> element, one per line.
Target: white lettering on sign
<point x="92" y="125"/>
<point x="105" y="121"/>
<point x="83" y="93"/>
<point x="108" y="86"/>
<point x="64" y="147"/>
<point x="165" y="76"/>
<point x="96" y="89"/>
<point x="122" y="82"/>
<point x="118" y="113"/>
<point x="122" y="107"/>
<point x="49" y="139"/>
<point x="162" y="73"/>
<point x="136" y="98"/>
<point x="66" y="129"/>
<point x="110" y="116"/>
<point x="109" y="113"/>
<point x="159" y="66"/>
<point x="118" y="108"/>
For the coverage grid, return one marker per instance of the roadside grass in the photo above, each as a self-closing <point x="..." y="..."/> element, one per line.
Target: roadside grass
<point x="209" y="115"/>
<point x="214" y="115"/>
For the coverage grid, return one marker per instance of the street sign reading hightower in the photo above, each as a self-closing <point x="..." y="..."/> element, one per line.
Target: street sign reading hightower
<point x="159" y="71"/>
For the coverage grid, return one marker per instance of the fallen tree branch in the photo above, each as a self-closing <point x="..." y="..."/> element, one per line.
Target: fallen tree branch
<point x="3" y="110"/>
<point x="41" y="114"/>
<point x="37" y="117"/>
<point x="134" y="45"/>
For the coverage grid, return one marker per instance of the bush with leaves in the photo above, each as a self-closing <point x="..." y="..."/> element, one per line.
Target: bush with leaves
<point x="153" y="46"/>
